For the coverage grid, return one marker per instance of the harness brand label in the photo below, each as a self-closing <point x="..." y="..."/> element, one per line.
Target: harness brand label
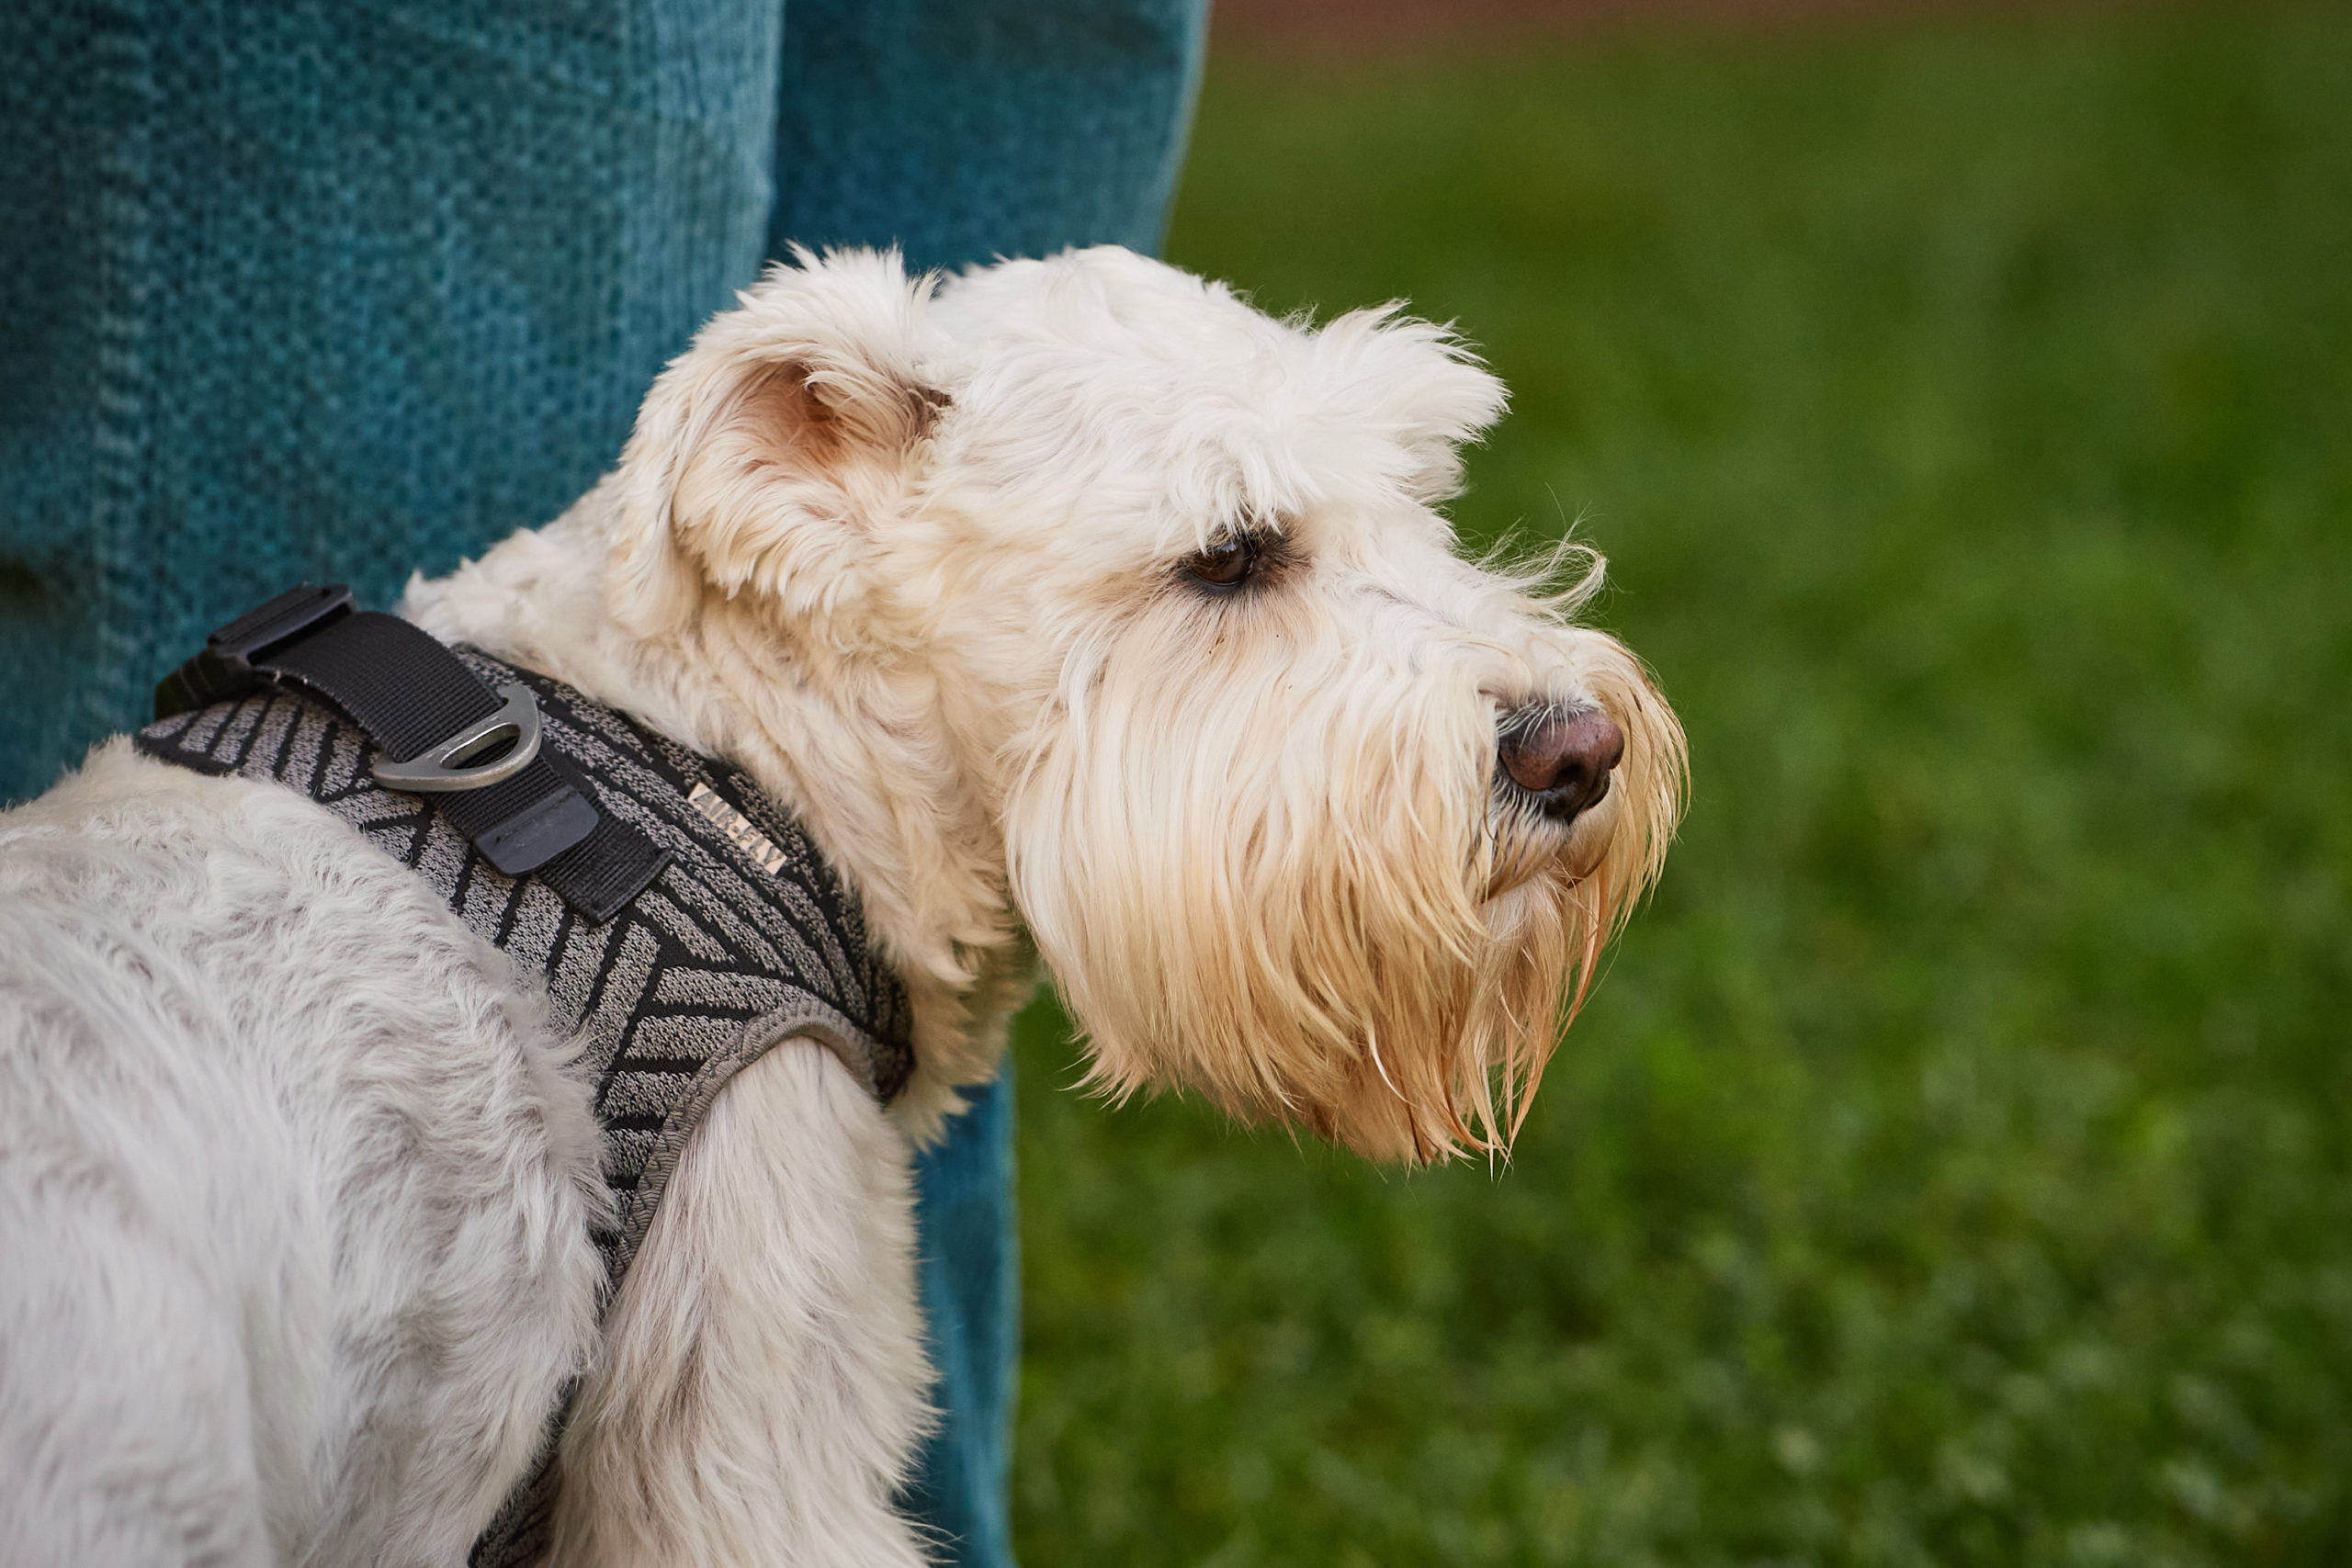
<point x="736" y="828"/>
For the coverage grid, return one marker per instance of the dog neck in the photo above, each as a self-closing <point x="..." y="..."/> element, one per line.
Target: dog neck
<point x="853" y="742"/>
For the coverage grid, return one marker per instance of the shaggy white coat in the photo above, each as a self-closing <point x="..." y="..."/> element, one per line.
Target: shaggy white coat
<point x="295" y="1186"/>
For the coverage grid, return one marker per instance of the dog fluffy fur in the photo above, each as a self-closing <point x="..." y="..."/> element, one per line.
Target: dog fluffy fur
<point x="295" y="1187"/>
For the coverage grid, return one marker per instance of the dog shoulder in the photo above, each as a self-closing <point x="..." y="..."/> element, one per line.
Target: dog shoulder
<point x="263" y="1064"/>
<point x="771" y="1317"/>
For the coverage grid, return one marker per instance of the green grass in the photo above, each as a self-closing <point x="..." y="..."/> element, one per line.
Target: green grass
<point x="1955" y="1165"/>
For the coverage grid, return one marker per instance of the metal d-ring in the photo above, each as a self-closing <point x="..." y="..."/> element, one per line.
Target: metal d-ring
<point x="440" y="767"/>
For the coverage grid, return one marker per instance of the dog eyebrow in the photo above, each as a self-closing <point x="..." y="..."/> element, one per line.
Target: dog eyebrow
<point x="1249" y="522"/>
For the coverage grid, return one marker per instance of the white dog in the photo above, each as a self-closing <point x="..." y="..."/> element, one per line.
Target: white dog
<point x="1069" y="605"/>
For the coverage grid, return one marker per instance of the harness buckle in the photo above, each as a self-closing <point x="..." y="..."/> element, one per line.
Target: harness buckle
<point x="509" y="737"/>
<point x="225" y="667"/>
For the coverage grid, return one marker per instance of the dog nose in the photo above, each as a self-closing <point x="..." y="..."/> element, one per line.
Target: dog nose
<point x="1561" y="757"/>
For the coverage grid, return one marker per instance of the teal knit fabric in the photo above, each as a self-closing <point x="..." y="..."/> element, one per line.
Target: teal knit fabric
<point x="348" y="288"/>
<point x="353" y="287"/>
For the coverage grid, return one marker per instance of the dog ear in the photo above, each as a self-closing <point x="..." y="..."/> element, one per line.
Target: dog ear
<point x="1419" y="385"/>
<point x="766" y="453"/>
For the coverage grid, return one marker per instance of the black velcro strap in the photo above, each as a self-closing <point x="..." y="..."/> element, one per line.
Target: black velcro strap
<point x="409" y="692"/>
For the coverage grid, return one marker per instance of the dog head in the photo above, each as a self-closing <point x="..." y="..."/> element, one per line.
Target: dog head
<point x="1304" y="810"/>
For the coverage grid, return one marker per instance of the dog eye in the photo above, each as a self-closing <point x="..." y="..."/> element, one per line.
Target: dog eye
<point x="1226" y="564"/>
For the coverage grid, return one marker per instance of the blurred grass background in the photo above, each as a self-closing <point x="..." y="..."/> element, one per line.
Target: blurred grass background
<point x="1953" y="1168"/>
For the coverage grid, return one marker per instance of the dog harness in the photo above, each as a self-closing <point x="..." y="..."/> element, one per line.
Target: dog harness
<point x="683" y="922"/>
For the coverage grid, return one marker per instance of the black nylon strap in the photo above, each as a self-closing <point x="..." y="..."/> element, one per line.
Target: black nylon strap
<point x="407" y="692"/>
<point x="401" y="686"/>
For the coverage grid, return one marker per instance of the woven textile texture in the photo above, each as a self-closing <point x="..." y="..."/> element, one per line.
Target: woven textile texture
<point x="348" y="288"/>
<point x="724" y="956"/>
<point x="715" y="962"/>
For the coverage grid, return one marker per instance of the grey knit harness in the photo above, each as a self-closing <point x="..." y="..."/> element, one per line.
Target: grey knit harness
<point x="744" y="939"/>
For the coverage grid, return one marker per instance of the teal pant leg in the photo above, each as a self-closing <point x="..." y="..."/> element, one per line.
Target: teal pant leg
<point x="967" y="130"/>
<point x="971" y="1288"/>
<point x="341" y="288"/>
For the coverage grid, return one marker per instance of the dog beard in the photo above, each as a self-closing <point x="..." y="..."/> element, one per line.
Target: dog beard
<point x="1262" y="848"/>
